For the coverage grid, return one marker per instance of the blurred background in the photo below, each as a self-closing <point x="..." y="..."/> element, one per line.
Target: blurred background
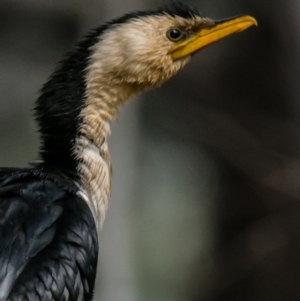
<point x="205" y="202"/>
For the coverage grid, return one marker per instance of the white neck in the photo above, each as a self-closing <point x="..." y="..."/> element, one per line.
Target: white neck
<point x="102" y="99"/>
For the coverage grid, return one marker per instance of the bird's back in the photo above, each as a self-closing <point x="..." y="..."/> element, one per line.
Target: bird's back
<point x="48" y="238"/>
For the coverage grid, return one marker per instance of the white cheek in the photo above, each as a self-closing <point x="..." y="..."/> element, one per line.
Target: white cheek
<point x="136" y="45"/>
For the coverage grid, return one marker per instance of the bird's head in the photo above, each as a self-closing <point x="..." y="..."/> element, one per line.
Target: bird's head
<point x="115" y="62"/>
<point x="145" y="49"/>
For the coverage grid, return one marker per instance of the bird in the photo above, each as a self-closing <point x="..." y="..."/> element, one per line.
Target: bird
<point x="51" y="210"/>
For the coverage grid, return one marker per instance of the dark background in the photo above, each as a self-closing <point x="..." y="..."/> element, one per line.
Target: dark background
<point x="205" y="202"/>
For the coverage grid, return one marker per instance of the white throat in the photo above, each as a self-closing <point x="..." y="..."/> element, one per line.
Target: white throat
<point x="102" y="99"/>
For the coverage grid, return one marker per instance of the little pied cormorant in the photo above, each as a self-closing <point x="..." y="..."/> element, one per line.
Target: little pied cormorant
<point x="49" y="212"/>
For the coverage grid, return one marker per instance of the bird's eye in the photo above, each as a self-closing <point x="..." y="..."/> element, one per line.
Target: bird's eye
<point x="174" y="34"/>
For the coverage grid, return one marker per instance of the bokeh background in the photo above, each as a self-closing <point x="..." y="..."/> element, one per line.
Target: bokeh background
<point x="205" y="202"/>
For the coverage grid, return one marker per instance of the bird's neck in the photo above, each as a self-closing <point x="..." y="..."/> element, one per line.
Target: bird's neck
<point x="91" y="148"/>
<point x="74" y="113"/>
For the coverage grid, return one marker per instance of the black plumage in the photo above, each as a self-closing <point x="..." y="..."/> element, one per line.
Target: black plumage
<point x="48" y="238"/>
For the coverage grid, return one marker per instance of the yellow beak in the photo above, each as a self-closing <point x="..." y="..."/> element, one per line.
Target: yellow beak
<point x="206" y="37"/>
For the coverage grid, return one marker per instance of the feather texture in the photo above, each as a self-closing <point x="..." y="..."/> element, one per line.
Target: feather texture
<point x="48" y="238"/>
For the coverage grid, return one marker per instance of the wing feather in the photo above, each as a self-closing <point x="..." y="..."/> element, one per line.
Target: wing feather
<point x="48" y="241"/>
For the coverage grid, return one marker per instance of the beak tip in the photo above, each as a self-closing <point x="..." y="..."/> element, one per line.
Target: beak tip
<point x="254" y="21"/>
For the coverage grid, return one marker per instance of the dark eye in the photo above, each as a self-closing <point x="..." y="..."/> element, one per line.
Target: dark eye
<point x="174" y="34"/>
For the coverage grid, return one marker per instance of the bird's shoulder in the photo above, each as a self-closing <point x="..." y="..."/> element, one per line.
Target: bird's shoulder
<point x="48" y="237"/>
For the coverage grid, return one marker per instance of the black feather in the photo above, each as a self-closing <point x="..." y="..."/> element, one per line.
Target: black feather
<point x="48" y="238"/>
<point x="174" y="9"/>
